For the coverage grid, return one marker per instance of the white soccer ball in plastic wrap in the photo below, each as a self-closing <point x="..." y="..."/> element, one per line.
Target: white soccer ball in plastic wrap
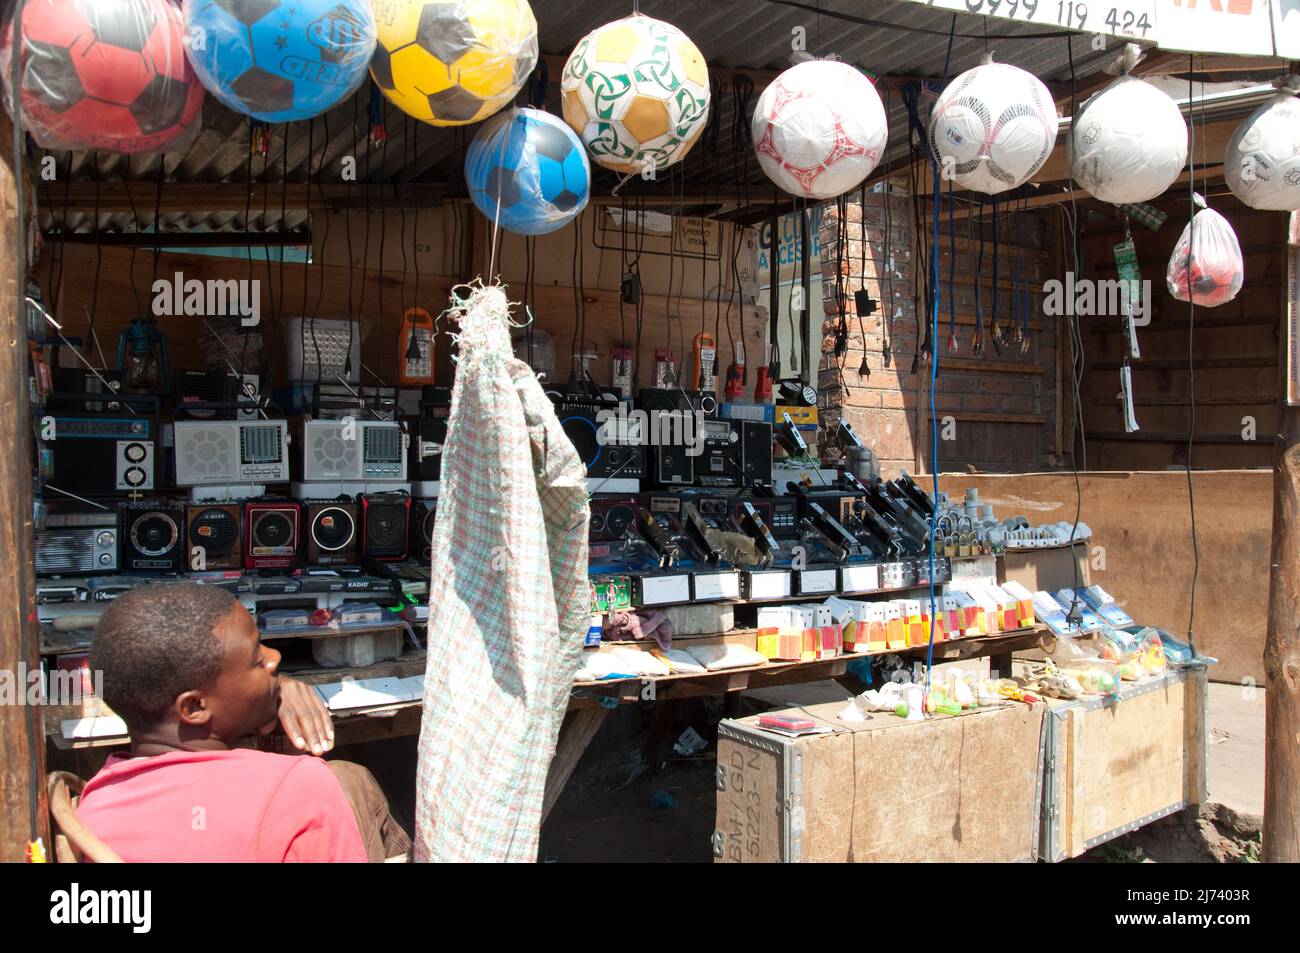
<point x="819" y="129"/>
<point x="1129" y="142"/>
<point x="993" y="128"/>
<point x="1262" y="163"/>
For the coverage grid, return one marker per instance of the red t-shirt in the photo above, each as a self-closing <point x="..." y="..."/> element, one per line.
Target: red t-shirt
<point x="221" y="806"/>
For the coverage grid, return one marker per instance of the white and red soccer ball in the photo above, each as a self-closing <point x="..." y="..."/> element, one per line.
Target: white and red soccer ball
<point x="993" y="127"/>
<point x="819" y="129"/>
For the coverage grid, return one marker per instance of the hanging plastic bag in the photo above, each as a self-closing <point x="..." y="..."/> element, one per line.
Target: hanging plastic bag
<point x="111" y="77"/>
<point x="1208" y="258"/>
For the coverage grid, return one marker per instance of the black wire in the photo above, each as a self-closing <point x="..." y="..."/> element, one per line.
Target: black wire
<point x="1076" y="347"/>
<point x="306" y="274"/>
<point x="1191" y="363"/>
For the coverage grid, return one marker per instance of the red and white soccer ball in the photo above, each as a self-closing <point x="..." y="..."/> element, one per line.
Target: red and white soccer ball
<point x="993" y="127"/>
<point x="819" y="129"/>
<point x="105" y="74"/>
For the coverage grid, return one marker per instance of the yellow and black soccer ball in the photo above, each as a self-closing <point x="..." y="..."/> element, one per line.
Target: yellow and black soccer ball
<point x="453" y="62"/>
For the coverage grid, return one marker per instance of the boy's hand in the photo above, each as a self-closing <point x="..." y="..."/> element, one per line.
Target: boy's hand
<point x="304" y="717"/>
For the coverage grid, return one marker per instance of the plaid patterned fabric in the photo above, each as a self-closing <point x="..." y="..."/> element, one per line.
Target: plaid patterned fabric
<point x="508" y="606"/>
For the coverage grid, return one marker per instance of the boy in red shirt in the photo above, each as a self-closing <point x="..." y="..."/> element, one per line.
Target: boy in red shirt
<point x="183" y="665"/>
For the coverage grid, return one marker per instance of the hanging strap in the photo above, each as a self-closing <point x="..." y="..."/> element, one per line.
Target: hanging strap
<point x="774" y="289"/>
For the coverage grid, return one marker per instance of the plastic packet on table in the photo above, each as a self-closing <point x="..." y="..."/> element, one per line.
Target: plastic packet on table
<point x="110" y="77"/>
<point x="1208" y="258"/>
<point x="1096" y="676"/>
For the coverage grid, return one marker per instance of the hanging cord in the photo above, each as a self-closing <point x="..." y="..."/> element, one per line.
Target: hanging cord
<point x="99" y="262"/>
<point x="325" y="216"/>
<point x="306" y="273"/>
<point x="995" y="332"/>
<point x="864" y="370"/>
<point x="919" y="148"/>
<point x="977" y="342"/>
<point x="934" y="375"/>
<point x="805" y="285"/>
<point x="774" y="289"/>
<point x="1191" y="363"/>
<point x="742" y="91"/>
<point x="885" y="289"/>
<point x="347" y="360"/>
<point x="952" y="271"/>
<point x="1073" y="616"/>
<point x="840" y="347"/>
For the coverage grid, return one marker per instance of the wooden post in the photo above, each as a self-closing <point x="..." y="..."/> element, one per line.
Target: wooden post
<point x="1282" y="645"/>
<point x="23" y="813"/>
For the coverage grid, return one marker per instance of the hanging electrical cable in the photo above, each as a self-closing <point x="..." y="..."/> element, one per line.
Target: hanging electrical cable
<point x="977" y="341"/>
<point x="952" y="272"/>
<point x="1191" y="361"/>
<point x="860" y="305"/>
<point x="995" y="332"/>
<point x="934" y="374"/>
<point x="306" y="272"/>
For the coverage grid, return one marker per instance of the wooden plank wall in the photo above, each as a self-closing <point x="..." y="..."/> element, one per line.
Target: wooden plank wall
<point x="377" y="302"/>
<point x="1140" y="523"/>
<point x="1235" y="348"/>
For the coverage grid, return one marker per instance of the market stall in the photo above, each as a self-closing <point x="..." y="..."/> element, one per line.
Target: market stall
<point x="311" y="297"/>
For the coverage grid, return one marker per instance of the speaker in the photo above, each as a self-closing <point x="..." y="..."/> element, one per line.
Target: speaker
<point x="653" y="399"/>
<point x="423" y="514"/>
<point x="73" y="543"/>
<point x="612" y="454"/>
<point x="719" y="463"/>
<point x="755" y="452"/>
<point x="102" y="456"/>
<point x="152" y="535"/>
<point x="271" y="531"/>
<point x="216" y="452"/>
<point x="216" y="528"/>
<point x="673" y="465"/>
<point x="385" y="525"/>
<point x="610" y="519"/>
<point x="353" y="450"/>
<point x="331" y="532"/>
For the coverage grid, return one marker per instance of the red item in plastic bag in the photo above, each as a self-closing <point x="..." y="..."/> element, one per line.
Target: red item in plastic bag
<point x="1214" y="270"/>
<point x="104" y="74"/>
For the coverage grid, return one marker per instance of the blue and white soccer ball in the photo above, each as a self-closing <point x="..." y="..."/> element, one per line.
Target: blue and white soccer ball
<point x="528" y="171"/>
<point x="280" y="60"/>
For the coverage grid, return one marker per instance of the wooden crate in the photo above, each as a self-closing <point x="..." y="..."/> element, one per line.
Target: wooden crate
<point x="961" y="788"/>
<point x="1112" y="765"/>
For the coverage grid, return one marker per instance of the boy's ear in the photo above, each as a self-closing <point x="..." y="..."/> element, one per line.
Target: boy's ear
<point x="191" y="710"/>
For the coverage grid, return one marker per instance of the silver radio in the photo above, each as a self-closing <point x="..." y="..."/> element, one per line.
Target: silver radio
<point x="76" y="543"/>
<point x="369" y="450"/>
<point x="223" y="452"/>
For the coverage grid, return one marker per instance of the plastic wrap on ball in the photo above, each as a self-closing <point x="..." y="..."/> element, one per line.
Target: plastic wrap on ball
<point x="109" y="75"/>
<point x="528" y="171"/>
<point x="1206" y="266"/>
<point x="280" y="60"/>
<point x="1129" y="143"/>
<point x="993" y="127"/>
<point x="819" y="129"/>
<point x="1262" y="162"/>
<point x="637" y="92"/>
<point x="453" y="62"/>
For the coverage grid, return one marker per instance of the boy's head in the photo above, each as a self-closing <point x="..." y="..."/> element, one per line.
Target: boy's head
<point x="185" y="655"/>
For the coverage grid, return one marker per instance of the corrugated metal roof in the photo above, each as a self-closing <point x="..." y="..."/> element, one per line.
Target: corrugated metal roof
<point x="732" y="34"/>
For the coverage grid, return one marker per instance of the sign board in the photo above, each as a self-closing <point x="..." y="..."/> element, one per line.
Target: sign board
<point x="1286" y="28"/>
<point x="1243" y="27"/>
<point x="1128" y="18"/>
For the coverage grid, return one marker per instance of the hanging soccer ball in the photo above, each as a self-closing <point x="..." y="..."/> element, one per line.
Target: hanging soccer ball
<point x="1262" y="163"/>
<point x="453" y="62"/>
<point x="104" y="74"/>
<point x="637" y="92"/>
<point x="528" y="171"/>
<point x="1129" y="142"/>
<point x="819" y="129"/>
<point x="993" y="128"/>
<point x="280" y="60"/>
